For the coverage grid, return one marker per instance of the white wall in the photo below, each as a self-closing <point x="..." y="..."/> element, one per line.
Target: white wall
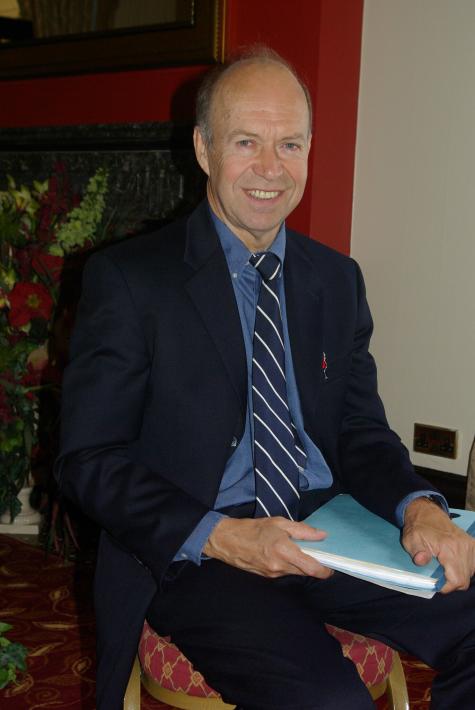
<point x="414" y="212"/>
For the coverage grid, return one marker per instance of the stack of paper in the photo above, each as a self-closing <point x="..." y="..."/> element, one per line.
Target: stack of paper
<point x="366" y="546"/>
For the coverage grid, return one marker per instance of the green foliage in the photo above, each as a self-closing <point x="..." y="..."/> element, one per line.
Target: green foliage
<point x="12" y="657"/>
<point x="10" y="229"/>
<point x="40" y="226"/>
<point x="83" y="221"/>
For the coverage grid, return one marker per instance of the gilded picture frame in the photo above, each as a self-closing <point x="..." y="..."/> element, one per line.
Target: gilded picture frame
<point x="199" y="40"/>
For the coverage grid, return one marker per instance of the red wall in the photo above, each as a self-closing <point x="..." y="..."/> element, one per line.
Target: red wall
<point x="322" y="38"/>
<point x="97" y="98"/>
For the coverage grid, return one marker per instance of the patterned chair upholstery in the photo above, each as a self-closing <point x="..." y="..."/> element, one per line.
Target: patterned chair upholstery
<point x="169" y="676"/>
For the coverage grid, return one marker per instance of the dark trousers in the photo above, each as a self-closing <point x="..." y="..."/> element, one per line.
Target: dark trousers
<point x="263" y="645"/>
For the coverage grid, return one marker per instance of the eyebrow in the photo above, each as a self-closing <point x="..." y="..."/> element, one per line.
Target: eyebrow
<point x="295" y="137"/>
<point x="249" y="134"/>
<point x="241" y="132"/>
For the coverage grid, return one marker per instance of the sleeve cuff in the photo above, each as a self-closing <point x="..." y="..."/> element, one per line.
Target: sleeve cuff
<point x="192" y="548"/>
<point x="401" y="509"/>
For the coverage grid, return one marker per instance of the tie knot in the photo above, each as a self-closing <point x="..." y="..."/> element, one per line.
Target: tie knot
<point x="267" y="264"/>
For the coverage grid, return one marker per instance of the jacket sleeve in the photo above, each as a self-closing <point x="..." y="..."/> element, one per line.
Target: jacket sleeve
<point x="375" y="465"/>
<point x="104" y="396"/>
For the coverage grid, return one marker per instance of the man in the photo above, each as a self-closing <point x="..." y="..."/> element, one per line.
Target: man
<point x="171" y="407"/>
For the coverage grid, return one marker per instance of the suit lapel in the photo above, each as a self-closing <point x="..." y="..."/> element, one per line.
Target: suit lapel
<point x="212" y="293"/>
<point x="304" y="304"/>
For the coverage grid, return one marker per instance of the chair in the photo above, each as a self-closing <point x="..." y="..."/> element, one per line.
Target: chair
<point x="170" y="677"/>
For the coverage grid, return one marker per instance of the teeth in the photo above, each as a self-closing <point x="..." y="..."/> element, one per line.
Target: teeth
<point x="263" y="195"/>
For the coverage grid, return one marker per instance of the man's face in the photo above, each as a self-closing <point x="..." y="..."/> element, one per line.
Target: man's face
<point x="257" y="160"/>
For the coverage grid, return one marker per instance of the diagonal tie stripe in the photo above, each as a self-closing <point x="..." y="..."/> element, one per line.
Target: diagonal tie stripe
<point x="272" y="324"/>
<point x="277" y="451"/>
<point x="275" y="495"/>
<point x="257" y="365"/>
<point x="270" y="352"/>
<point x="278" y="442"/>
<point x="276" y="468"/>
<point x="256" y="391"/>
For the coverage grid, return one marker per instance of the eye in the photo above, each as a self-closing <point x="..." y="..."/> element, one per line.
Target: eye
<point x="291" y="147"/>
<point x="244" y="143"/>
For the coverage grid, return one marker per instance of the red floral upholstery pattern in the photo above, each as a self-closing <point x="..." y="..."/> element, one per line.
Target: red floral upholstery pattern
<point x="162" y="661"/>
<point x="373" y="659"/>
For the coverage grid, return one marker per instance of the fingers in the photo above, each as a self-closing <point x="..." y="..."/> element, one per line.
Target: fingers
<point x="302" y="531"/>
<point x="459" y="565"/>
<point x="455" y="582"/>
<point x="309" y="566"/>
<point x="430" y="534"/>
<point x="264" y="546"/>
<point x="296" y="561"/>
<point x="451" y="555"/>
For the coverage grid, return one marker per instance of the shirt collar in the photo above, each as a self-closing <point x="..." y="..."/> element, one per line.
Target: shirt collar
<point x="236" y="253"/>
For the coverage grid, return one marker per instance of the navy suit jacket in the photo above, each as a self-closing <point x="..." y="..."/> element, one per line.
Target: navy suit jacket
<point x="156" y="391"/>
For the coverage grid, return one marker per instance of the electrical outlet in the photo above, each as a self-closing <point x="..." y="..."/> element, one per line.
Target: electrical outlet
<point x="435" y="441"/>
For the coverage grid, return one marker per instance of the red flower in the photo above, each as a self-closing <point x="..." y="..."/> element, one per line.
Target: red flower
<point x="28" y="301"/>
<point x="48" y="265"/>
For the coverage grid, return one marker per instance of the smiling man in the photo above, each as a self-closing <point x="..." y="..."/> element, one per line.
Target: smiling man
<point x="256" y="156"/>
<point x="220" y="388"/>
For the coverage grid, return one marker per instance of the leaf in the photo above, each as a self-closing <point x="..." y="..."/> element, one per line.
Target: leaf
<point x="17" y="654"/>
<point x="6" y="675"/>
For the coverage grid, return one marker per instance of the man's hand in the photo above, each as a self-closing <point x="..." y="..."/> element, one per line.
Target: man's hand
<point x="429" y="532"/>
<point x="264" y="546"/>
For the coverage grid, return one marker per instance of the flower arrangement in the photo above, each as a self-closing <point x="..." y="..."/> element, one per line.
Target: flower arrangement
<point x="40" y="227"/>
<point x="12" y="657"/>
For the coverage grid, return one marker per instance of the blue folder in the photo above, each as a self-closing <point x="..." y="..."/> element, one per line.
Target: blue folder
<point x="366" y="546"/>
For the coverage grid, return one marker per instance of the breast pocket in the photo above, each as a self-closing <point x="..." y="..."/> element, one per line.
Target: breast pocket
<point x="334" y="369"/>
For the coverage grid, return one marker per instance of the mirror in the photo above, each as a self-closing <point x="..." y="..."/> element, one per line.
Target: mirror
<point x="41" y="37"/>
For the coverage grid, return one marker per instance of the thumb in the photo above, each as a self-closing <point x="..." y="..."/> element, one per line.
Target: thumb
<point x="422" y="557"/>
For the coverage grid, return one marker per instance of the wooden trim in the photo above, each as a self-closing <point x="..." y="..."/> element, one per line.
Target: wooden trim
<point x="179" y="699"/>
<point x="132" y="693"/>
<point x="377" y="691"/>
<point x="197" y="42"/>
<point x="397" y="688"/>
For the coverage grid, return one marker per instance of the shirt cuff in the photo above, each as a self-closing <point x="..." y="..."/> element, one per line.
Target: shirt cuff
<point x="401" y="509"/>
<point x="192" y="548"/>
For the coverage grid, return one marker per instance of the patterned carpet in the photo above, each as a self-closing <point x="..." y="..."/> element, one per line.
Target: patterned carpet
<point x="48" y="603"/>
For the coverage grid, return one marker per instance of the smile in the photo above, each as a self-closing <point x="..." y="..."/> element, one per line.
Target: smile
<point x="263" y="194"/>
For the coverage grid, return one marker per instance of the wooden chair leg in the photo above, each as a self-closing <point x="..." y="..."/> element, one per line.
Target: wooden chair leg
<point x="179" y="699"/>
<point x="397" y="688"/>
<point x="132" y="693"/>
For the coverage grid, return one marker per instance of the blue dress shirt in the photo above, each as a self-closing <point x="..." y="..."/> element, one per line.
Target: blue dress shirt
<point x="238" y="482"/>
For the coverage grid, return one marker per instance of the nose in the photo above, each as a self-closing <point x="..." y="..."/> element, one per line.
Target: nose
<point x="268" y="164"/>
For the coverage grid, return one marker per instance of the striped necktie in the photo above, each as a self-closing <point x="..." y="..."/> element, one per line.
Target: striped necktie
<point x="278" y="455"/>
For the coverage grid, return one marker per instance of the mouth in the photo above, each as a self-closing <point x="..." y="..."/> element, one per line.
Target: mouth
<point x="263" y="194"/>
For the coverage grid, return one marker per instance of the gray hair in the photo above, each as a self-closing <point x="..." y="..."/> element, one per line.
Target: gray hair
<point x="257" y="54"/>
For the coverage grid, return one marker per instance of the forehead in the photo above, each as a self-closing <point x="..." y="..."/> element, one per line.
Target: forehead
<point x="260" y="92"/>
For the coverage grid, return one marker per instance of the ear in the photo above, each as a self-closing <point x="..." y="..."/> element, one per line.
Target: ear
<point x="201" y="150"/>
